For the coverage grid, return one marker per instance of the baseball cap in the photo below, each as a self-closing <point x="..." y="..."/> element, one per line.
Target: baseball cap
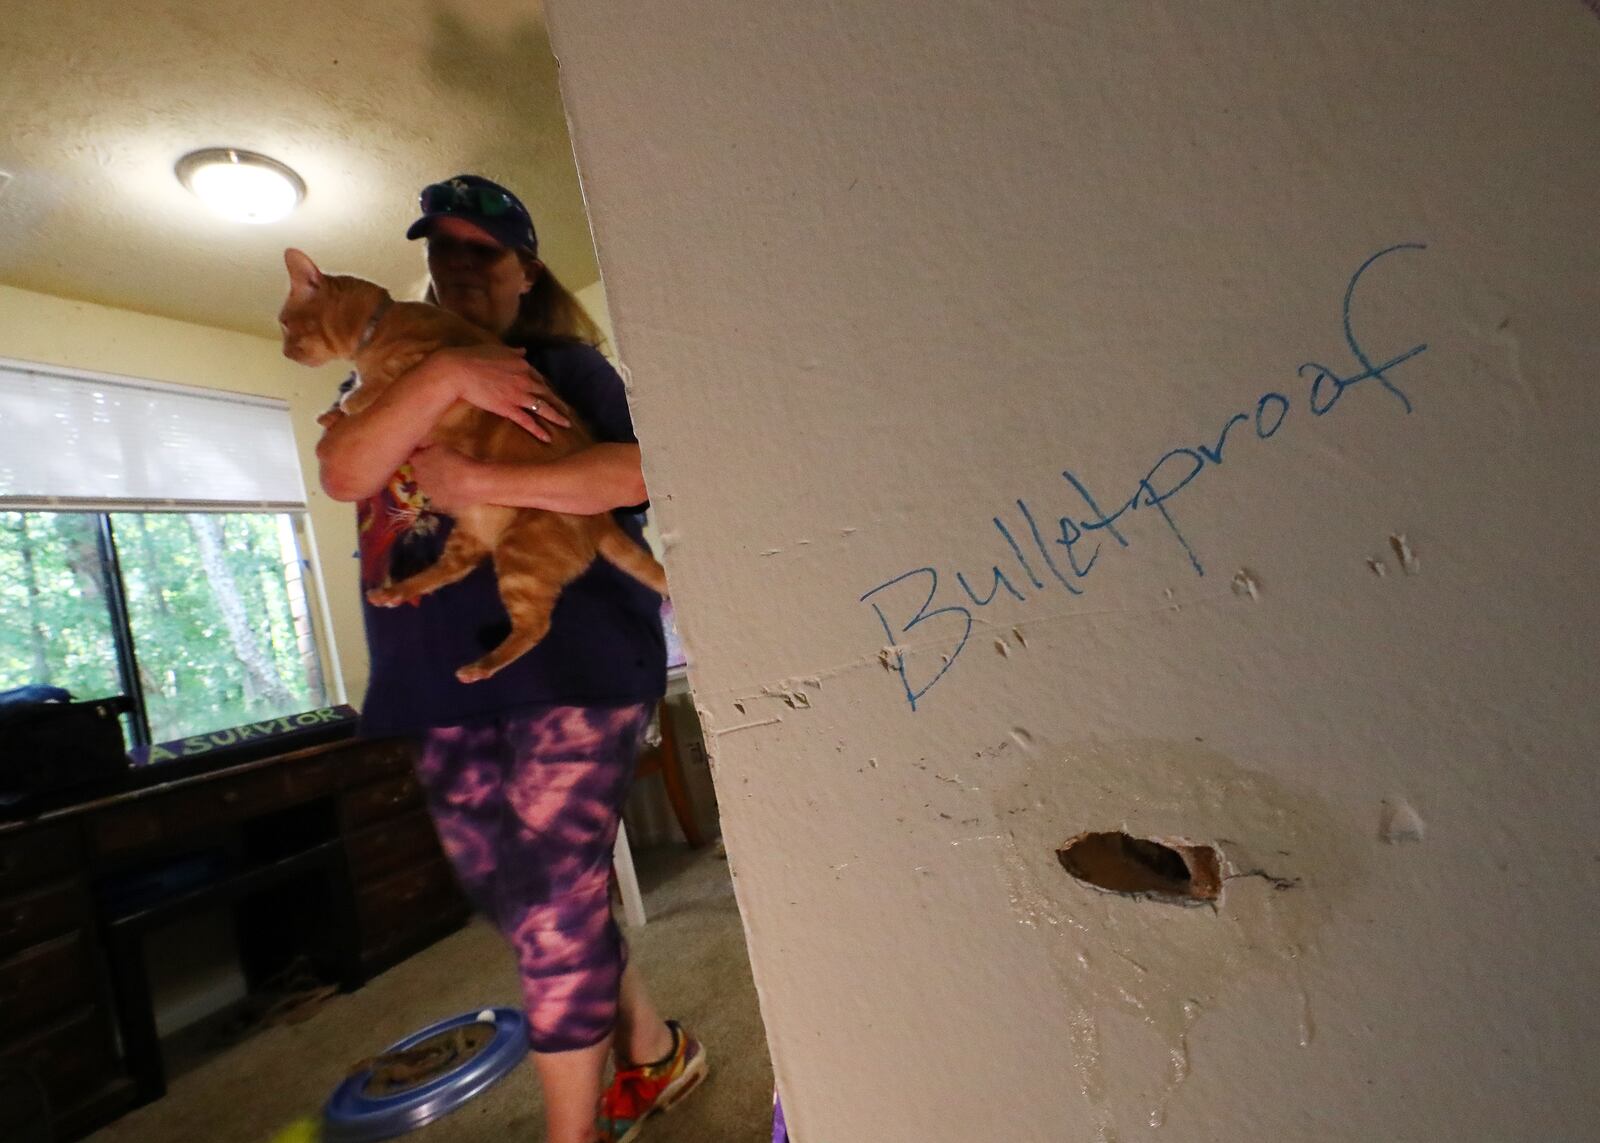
<point x="485" y="204"/>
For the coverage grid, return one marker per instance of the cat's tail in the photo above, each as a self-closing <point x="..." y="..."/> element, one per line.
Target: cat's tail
<point x="617" y="548"/>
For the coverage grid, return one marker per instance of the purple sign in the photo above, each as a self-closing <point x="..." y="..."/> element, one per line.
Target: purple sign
<point x="287" y="728"/>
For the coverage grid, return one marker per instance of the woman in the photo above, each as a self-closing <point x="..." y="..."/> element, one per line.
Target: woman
<point x="525" y="772"/>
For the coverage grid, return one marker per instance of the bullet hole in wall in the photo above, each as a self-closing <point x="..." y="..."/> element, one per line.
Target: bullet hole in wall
<point x="1171" y="871"/>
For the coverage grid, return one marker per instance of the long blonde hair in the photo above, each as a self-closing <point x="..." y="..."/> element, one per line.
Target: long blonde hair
<point x="548" y="311"/>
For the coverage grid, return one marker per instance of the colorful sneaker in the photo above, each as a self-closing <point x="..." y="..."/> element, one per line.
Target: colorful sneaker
<point x="639" y="1092"/>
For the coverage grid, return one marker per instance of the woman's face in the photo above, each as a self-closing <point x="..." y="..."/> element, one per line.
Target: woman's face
<point x="474" y="276"/>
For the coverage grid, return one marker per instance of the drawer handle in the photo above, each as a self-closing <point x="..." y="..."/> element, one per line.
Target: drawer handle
<point x="230" y="797"/>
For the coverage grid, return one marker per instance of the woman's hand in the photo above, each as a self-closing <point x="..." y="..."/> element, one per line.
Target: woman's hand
<point x="588" y="482"/>
<point x="447" y="478"/>
<point x="498" y="379"/>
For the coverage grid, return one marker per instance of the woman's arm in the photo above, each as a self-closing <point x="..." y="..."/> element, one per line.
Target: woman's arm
<point x="585" y="483"/>
<point x="358" y="453"/>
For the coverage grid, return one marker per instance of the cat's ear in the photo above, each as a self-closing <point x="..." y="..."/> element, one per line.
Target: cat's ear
<point x="304" y="277"/>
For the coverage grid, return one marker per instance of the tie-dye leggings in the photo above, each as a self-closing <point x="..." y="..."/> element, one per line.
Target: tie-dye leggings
<point x="527" y="809"/>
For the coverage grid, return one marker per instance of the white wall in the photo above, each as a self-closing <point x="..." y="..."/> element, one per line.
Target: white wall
<point x="881" y="272"/>
<point x="80" y="335"/>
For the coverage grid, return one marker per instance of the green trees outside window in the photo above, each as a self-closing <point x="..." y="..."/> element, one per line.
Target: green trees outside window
<point x="208" y="610"/>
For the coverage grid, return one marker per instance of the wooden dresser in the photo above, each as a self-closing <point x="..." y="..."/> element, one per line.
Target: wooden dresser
<point x="325" y="854"/>
<point x="406" y="893"/>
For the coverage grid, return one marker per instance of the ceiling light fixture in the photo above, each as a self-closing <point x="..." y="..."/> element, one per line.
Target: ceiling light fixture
<point x="241" y="186"/>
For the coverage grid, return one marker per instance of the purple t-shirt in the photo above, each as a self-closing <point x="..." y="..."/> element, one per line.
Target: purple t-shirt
<point x="605" y="647"/>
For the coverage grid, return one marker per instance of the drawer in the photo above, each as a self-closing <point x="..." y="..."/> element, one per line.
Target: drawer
<point x="379" y="849"/>
<point x="44" y="981"/>
<point x="381" y="800"/>
<point x="71" y="1056"/>
<point x="406" y="901"/>
<point x="126" y="828"/>
<point x="311" y="778"/>
<point x="32" y="856"/>
<point x="184" y="813"/>
<point x="393" y="945"/>
<point x="223" y="801"/>
<point x="381" y="758"/>
<point x="32" y="918"/>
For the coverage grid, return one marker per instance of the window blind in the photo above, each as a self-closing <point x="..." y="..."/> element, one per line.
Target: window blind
<point x="75" y="440"/>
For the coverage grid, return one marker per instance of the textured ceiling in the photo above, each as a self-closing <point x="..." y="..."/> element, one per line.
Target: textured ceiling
<point x="367" y="101"/>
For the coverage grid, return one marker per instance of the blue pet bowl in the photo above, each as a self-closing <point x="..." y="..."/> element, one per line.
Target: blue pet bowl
<point x="354" y="1115"/>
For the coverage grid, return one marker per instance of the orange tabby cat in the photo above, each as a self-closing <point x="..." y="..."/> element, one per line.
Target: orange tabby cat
<point x="536" y="552"/>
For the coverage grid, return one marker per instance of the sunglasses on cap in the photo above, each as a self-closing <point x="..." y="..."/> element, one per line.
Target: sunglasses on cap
<point x="461" y="198"/>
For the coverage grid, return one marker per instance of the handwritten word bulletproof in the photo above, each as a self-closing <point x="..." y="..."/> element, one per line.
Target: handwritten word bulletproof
<point x="1066" y="548"/>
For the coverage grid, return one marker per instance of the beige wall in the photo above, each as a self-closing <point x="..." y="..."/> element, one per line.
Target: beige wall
<point x="880" y="272"/>
<point x="80" y="335"/>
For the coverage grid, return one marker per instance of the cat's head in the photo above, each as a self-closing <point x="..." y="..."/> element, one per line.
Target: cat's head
<point x="324" y="314"/>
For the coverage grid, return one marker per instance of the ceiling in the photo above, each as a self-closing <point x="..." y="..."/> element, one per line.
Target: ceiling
<point x="366" y="101"/>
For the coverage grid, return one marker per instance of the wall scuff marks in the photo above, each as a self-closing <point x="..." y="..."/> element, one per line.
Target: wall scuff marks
<point x="1402" y="551"/>
<point x="1399" y="823"/>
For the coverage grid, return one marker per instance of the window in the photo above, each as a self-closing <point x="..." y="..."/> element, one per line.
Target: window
<point x="152" y="544"/>
<point x="202" y="618"/>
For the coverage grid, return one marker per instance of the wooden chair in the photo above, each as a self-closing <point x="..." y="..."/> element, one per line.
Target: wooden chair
<point x="661" y="758"/>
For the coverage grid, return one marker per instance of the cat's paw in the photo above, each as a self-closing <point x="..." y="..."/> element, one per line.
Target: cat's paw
<point x="385" y="597"/>
<point x="472" y="673"/>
